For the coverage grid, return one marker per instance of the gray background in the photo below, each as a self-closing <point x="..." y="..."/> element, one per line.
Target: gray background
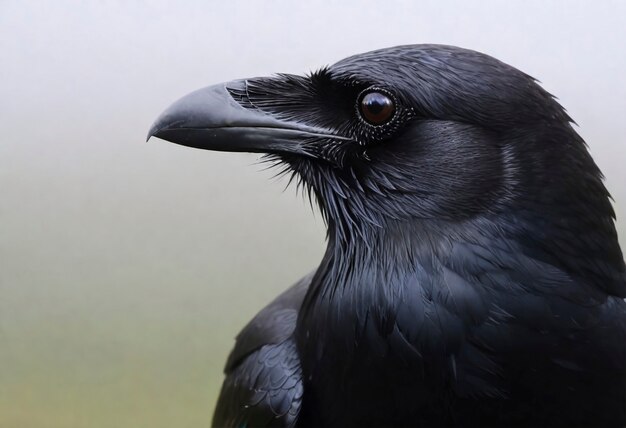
<point x="128" y="267"/>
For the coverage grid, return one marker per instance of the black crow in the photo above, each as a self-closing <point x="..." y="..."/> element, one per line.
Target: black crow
<point x="472" y="275"/>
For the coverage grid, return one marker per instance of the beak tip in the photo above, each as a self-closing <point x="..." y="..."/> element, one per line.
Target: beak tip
<point x="154" y="130"/>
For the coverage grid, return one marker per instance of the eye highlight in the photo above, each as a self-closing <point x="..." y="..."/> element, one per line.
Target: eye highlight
<point x="376" y="106"/>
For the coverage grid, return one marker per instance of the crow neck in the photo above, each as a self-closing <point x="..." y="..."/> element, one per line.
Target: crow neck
<point x="359" y="260"/>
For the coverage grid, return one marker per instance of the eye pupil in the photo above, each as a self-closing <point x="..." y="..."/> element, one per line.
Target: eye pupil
<point x="377" y="108"/>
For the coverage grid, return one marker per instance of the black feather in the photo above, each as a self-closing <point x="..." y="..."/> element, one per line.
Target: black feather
<point x="472" y="276"/>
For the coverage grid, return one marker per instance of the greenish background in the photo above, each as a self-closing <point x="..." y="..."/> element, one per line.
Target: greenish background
<point x="128" y="267"/>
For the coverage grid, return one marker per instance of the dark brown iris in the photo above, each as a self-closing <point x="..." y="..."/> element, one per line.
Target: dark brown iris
<point x="377" y="108"/>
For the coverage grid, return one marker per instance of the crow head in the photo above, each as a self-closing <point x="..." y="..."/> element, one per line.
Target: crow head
<point x="418" y="141"/>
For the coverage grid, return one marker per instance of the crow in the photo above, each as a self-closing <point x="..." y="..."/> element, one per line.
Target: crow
<point x="472" y="275"/>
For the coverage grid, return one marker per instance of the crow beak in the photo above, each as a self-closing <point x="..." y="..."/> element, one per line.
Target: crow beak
<point x="211" y="119"/>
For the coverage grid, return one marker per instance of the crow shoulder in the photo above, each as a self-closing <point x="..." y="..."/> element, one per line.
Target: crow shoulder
<point x="263" y="384"/>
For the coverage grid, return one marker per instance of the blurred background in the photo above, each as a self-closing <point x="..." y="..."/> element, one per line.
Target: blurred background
<point x="128" y="267"/>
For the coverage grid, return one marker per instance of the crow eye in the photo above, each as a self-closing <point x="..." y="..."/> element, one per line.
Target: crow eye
<point x="376" y="107"/>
